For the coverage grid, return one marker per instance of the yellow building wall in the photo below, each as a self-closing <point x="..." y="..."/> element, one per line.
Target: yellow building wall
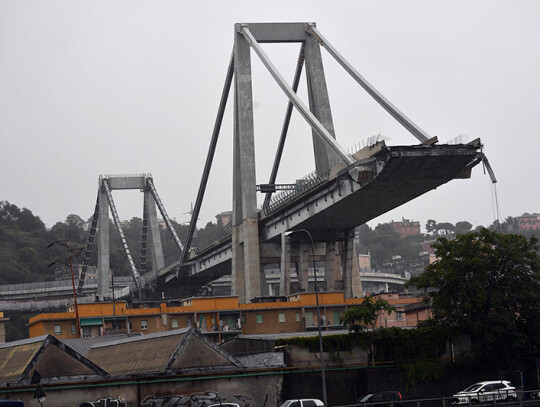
<point x="204" y="312"/>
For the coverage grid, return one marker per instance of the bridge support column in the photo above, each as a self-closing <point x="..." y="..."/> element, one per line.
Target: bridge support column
<point x="319" y="105"/>
<point x="246" y="269"/>
<point x="304" y="253"/>
<point x="285" y="267"/>
<point x="246" y="256"/>
<point x="238" y="276"/>
<point x="103" y="268"/>
<point x="158" y="261"/>
<point x="351" y="271"/>
<point x="252" y="265"/>
<point x="330" y="265"/>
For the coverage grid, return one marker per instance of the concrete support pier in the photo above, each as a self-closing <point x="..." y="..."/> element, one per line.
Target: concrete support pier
<point x="158" y="261"/>
<point x="246" y="257"/>
<point x="103" y="267"/>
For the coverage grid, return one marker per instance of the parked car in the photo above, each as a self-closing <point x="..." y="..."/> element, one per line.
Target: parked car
<point x="486" y="391"/>
<point x="387" y="397"/>
<point x="302" y="403"/>
<point x="11" y="403"/>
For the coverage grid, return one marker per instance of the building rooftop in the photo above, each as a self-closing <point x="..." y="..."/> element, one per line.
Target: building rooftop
<point x="83" y="345"/>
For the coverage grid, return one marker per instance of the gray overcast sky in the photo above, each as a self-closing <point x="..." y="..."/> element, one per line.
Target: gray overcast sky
<point x="119" y="87"/>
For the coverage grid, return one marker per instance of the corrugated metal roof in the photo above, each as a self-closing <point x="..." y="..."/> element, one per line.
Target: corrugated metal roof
<point x="144" y="337"/>
<point x="14" y="359"/>
<point x="23" y="341"/>
<point x="83" y="345"/>
<point x="144" y="354"/>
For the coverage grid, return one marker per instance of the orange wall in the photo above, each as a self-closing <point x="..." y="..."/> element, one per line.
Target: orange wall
<point x="160" y="318"/>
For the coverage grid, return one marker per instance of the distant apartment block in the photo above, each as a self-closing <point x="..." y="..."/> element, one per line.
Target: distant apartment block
<point x="224" y="218"/>
<point x="427" y="247"/>
<point x="364" y="262"/>
<point x="406" y="227"/>
<point x="529" y="222"/>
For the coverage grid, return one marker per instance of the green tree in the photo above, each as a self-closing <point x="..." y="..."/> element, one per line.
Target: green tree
<point x="445" y="228"/>
<point x="487" y="284"/>
<point x="431" y="226"/>
<point x="365" y="315"/>
<point x="463" y="227"/>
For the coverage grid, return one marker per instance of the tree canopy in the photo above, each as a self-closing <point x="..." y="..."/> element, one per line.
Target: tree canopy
<point x="365" y="315"/>
<point x="487" y="284"/>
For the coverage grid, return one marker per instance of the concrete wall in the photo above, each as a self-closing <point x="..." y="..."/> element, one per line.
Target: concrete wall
<point x="146" y="393"/>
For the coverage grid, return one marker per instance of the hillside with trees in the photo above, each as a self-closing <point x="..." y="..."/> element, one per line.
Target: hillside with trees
<point x="383" y="243"/>
<point x="24" y="256"/>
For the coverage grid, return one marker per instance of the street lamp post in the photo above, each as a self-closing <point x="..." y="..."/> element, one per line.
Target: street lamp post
<point x="323" y="374"/>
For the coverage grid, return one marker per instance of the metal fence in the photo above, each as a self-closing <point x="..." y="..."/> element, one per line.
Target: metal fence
<point x="524" y="398"/>
<point x="303" y="186"/>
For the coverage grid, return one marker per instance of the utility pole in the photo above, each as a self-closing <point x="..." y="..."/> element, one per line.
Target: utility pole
<point x="71" y="254"/>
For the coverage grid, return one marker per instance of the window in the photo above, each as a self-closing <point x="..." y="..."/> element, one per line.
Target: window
<point x="377" y="397"/>
<point x="399" y="315"/>
<point x="130" y="326"/>
<point x="73" y="329"/>
<point x="281" y="317"/>
<point x="297" y="317"/>
<point x="259" y="319"/>
<point x="174" y="323"/>
<point x="144" y="325"/>
<point x="336" y="315"/>
<point x="243" y="318"/>
<point x="58" y="329"/>
<point x="86" y="331"/>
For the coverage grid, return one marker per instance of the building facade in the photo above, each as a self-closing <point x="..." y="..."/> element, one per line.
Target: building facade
<point x="529" y="222"/>
<point x="218" y="318"/>
<point x="406" y="227"/>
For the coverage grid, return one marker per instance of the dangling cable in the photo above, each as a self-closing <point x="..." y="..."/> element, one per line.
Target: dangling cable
<point x="495" y="203"/>
<point x="494" y="198"/>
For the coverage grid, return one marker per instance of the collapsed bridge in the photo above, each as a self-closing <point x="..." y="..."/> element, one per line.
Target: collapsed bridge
<point x="344" y="191"/>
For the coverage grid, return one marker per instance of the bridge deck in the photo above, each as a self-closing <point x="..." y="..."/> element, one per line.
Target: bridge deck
<point x="400" y="174"/>
<point x="408" y="173"/>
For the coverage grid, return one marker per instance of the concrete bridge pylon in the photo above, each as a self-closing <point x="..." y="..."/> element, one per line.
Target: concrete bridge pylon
<point x="345" y="190"/>
<point x="150" y="238"/>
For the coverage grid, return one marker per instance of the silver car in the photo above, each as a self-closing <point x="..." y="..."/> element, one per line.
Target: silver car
<point x="303" y="403"/>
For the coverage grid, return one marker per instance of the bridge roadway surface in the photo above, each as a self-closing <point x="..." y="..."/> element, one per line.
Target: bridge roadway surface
<point x="393" y="176"/>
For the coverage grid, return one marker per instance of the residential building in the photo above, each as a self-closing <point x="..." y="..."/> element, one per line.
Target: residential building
<point x="407" y="227"/>
<point x="427" y="246"/>
<point x="224" y="218"/>
<point x="529" y="222"/>
<point x="364" y="262"/>
<point x="218" y="318"/>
